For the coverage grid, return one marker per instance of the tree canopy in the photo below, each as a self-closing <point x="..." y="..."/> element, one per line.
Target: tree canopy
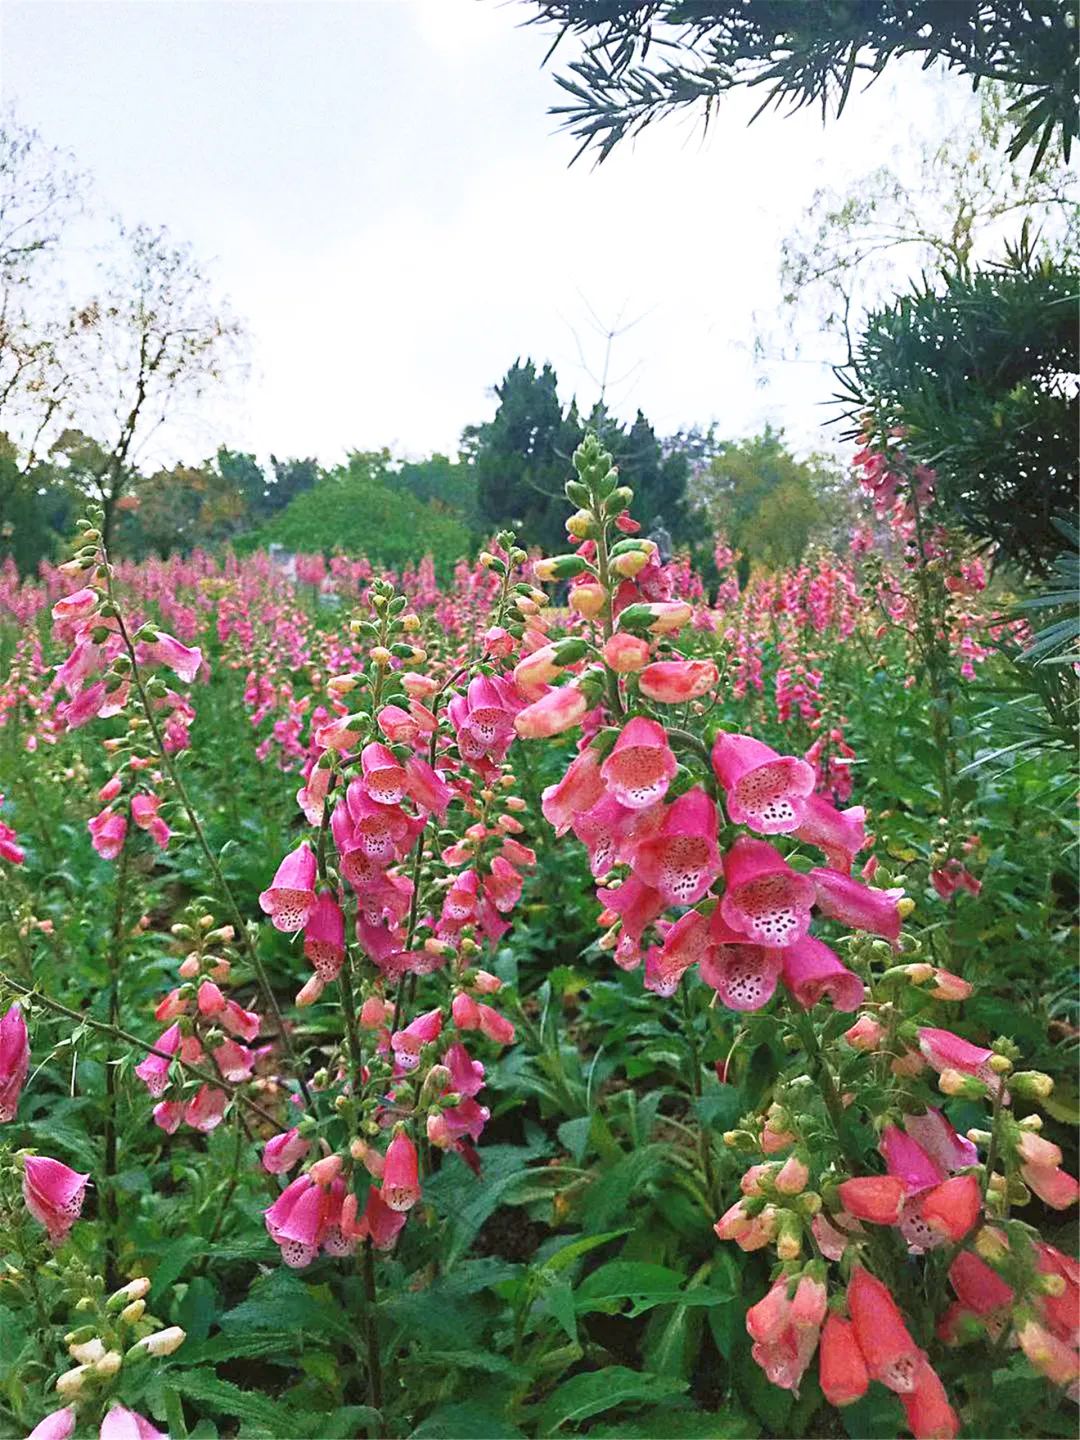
<point x="644" y="59"/>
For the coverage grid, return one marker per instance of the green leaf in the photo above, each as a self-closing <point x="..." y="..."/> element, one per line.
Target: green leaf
<point x="569" y="1253"/>
<point x="644" y="1285"/>
<point x="599" y="1390"/>
<point x="451" y="1422"/>
<point x="228" y="1399"/>
<point x="677" y="1424"/>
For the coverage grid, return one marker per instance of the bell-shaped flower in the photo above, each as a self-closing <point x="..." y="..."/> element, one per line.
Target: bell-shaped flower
<point x="840" y="834"/>
<point x="401" y="1174"/>
<point x="607" y="831"/>
<point x="681" y="860"/>
<point x="553" y="714"/>
<point x="942" y="1050"/>
<point x="675" y="682"/>
<point x="952" y="1208"/>
<point x="407" y="1043"/>
<point x="578" y="791"/>
<point x="813" y="973"/>
<point x="324" y="937"/>
<point x="107" y="833"/>
<point x="743" y="974"/>
<point x="891" y="1355"/>
<point x="14" y="1061"/>
<point x="53" y="1193"/>
<point x="291" y="897"/>
<point x="764" y="898"/>
<point x="684" y="945"/>
<point x="641" y="765"/>
<point x="154" y="1070"/>
<point x="384" y="778"/>
<point x="123" y="1424"/>
<point x="60" y="1425"/>
<point x="841" y="1367"/>
<point x="466" y="1074"/>
<point x="427" y="787"/>
<point x="206" y="1109"/>
<point x="906" y="1159"/>
<point x="281" y="1152"/>
<point x="857" y="905"/>
<point x="297" y="1220"/>
<point x="941" y="1141"/>
<point x="764" y="790"/>
<point x="926" y="1408"/>
<point x="168" y="651"/>
<point x="878" y="1199"/>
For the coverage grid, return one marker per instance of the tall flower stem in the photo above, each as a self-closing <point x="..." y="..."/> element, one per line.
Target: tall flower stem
<point x="224" y="888"/>
<point x="371" y="1328"/>
<point x="196" y="1072"/>
<point x="704" y="1144"/>
<point x="109" y="1129"/>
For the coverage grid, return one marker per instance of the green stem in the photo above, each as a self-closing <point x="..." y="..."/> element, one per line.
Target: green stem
<point x="109" y="1130"/>
<point x="704" y="1143"/>
<point x="371" y="1327"/>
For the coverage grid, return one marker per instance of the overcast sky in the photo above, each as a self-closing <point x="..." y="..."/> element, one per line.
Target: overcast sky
<point x="380" y="192"/>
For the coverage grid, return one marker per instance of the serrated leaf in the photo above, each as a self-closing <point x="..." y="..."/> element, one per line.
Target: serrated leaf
<point x="644" y="1285"/>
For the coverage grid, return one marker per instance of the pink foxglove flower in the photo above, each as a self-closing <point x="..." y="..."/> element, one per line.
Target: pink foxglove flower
<point x="281" y="1152"/>
<point x="906" y="1159"/>
<point x="122" y="1424"/>
<point x="813" y="973"/>
<point x="681" y="860"/>
<point x="154" y="1070"/>
<point x="401" y="1175"/>
<point x="742" y="973"/>
<point x="764" y="790"/>
<point x="878" y="1199"/>
<point x="943" y="1050"/>
<point x="641" y="765"/>
<point x="54" y="1194"/>
<point x="291" y="897"/>
<point x="841" y="834"/>
<point x="764" y="898"/>
<point x="144" y="811"/>
<point x="107" y="833"/>
<point x="206" y="1110"/>
<point x="857" y="905"/>
<point x="324" y="937"/>
<point x="14" y="1061"/>
<point x="553" y="714"/>
<point x="10" y="850"/>
<point x="167" y="650"/>
<point x="60" y="1425"/>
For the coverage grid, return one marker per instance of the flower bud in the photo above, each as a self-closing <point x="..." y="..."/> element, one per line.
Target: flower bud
<point x="89" y="1352"/>
<point x="135" y="1289"/>
<point x="109" y="1365"/>
<point x="165" y="1342"/>
<point x="1031" y="1085"/>
<point x="133" y="1312"/>
<point x="70" y="1384"/>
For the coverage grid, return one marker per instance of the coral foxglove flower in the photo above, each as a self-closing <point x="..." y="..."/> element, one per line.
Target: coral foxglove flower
<point x="876" y="1198"/>
<point x="401" y="1175"/>
<point x="675" y="682"/>
<point x="764" y="790"/>
<point x="952" y="1208"/>
<point x="764" y="898"/>
<point x="14" y="1061"/>
<point x="929" y="1414"/>
<point x="841" y="1367"/>
<point x="890" y="1353"/>
<point x="53" y="1193"/>
<point x="290" y="899"/>
<point x="206" y="1109"/>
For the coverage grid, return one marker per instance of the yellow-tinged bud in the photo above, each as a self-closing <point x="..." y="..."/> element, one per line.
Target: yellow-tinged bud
<point x="71" y="1383"/>
<point x="134" y="1290"/>
<point x="905" y="906"/>
<point x="1031" y="1085"/>
<point x="580" y="525"/>
<point x="410" y="623"/>
<point x="381" y="656"/>
<point x="1000" y="1064"/>
<point x="109" y="1365"/>
<point x="89" y="1352"/>
<point x="991" y="1244"/>
<point x="133" y="1312"/>
<point x="164" y="1342"/>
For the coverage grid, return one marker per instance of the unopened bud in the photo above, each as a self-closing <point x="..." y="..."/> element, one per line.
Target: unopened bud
<point x="89" y="1352"/>
<point x="165" y="1342"/>
<point x="133" y="1312"/>
<point x="109" y="1364"/>
<point x="1031" y="1085"/>
<point x="134" y="1290"/>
